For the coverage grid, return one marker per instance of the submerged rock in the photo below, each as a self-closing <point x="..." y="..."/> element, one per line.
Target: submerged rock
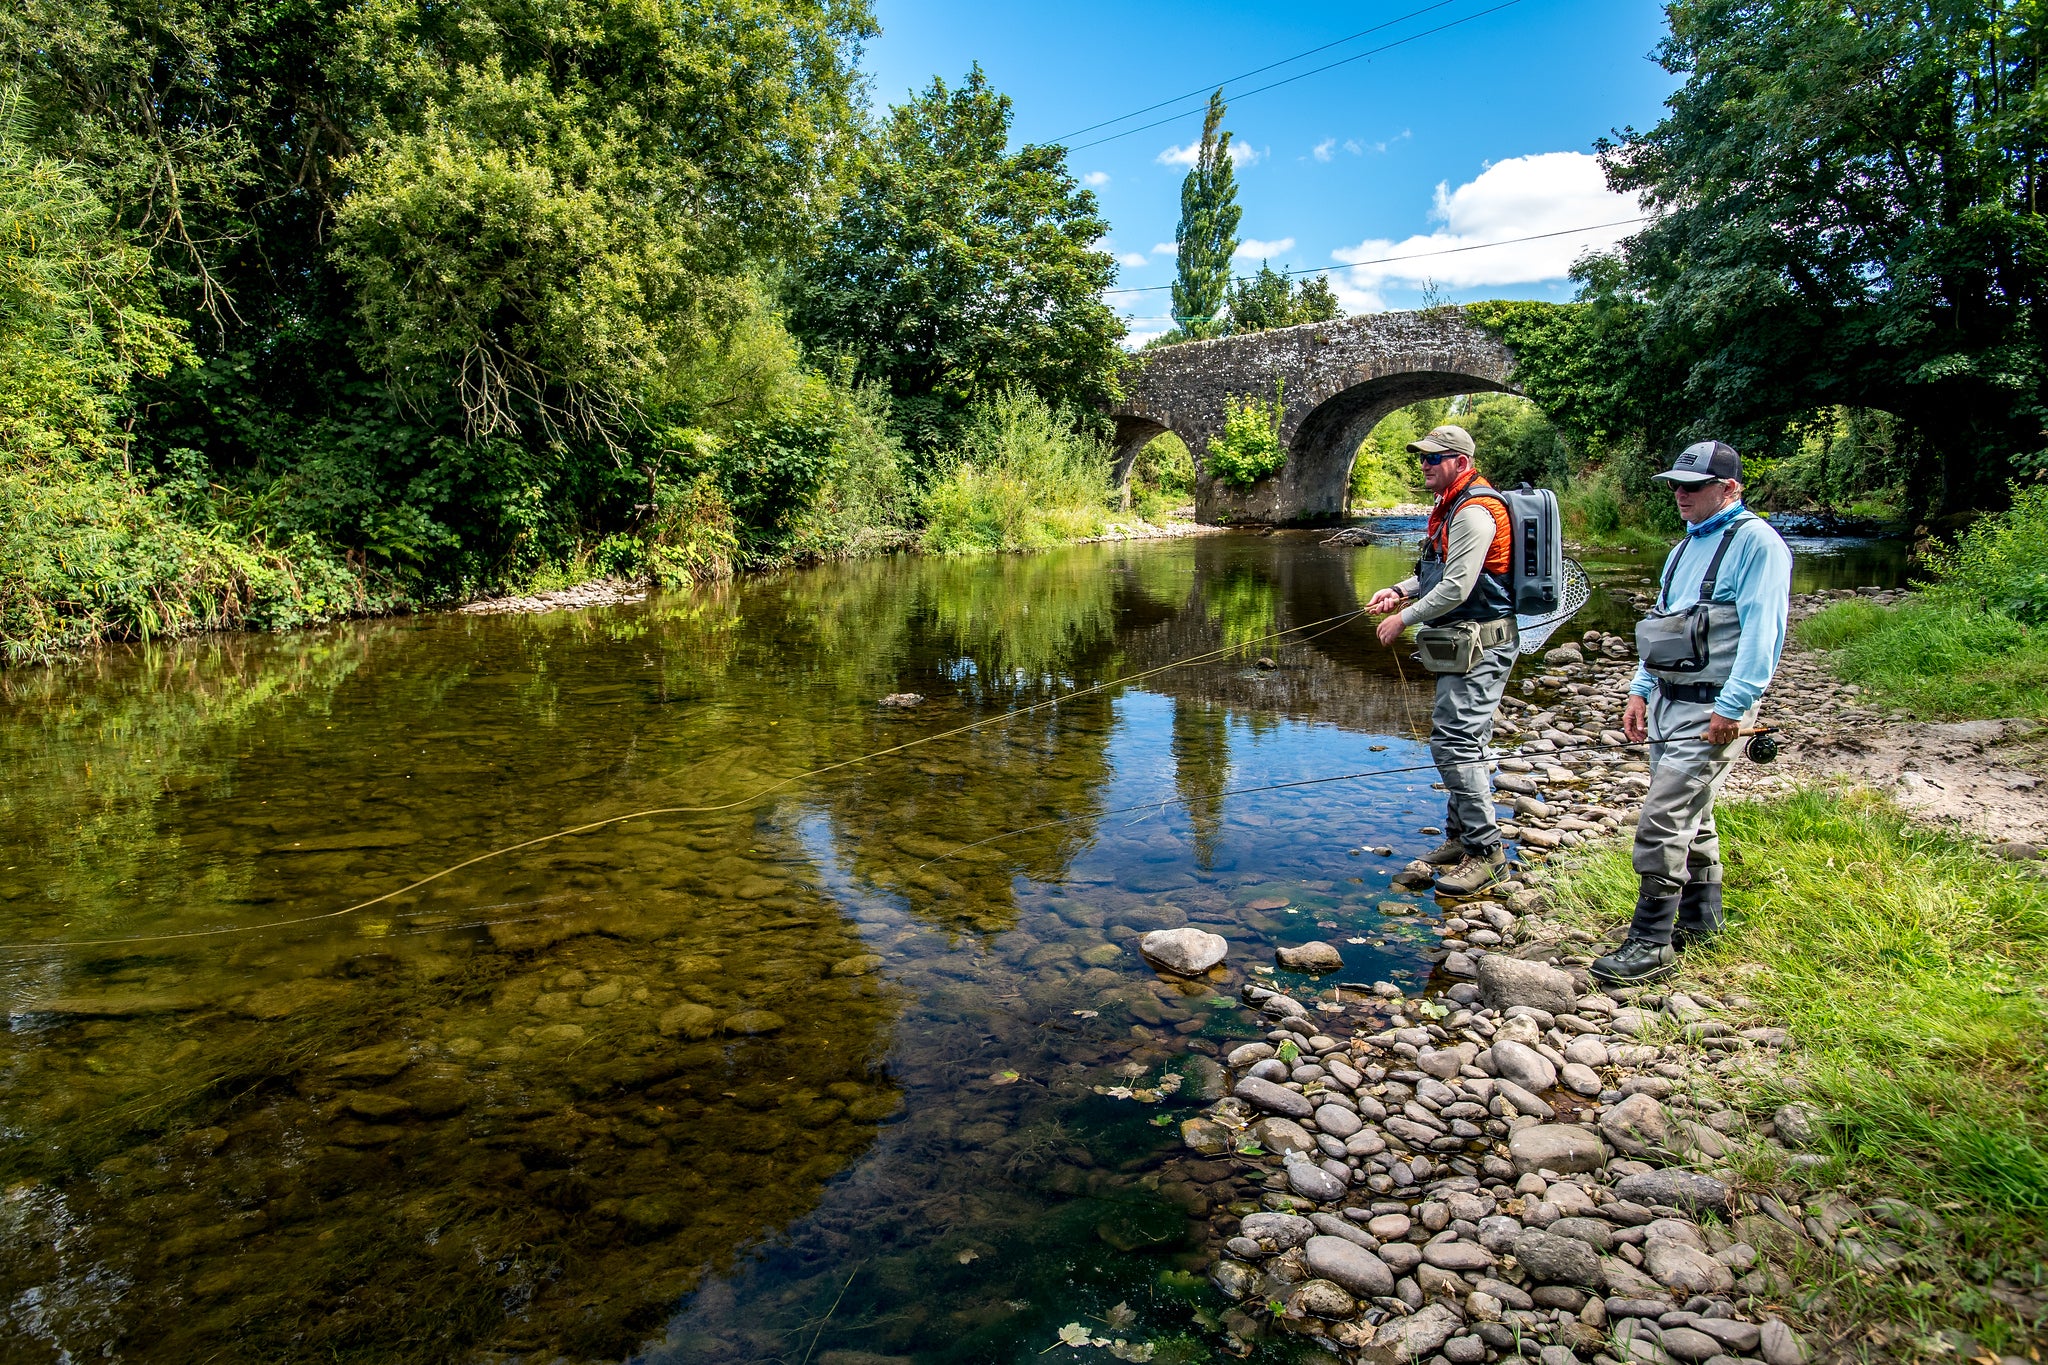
<point x="1314" y="956"/>
<point x="1186" y="951"/>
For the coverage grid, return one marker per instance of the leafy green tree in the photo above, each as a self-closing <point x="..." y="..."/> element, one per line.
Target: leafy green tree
<point x="1207" y="233"/>
<point x="1847" y="213"/>
<point x="958" y="270"/>
<point x="1270" y="299"/>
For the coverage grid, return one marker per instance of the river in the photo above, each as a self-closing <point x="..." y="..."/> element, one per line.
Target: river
<point x="813" y="1076"/>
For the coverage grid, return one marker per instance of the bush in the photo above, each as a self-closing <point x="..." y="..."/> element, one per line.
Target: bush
<point x="1249" y="448"/>
<point x="2001" y="563"/>
<point x="91" y="554"/>
<point x="1597" y="510"/>
<point x="1022" y="478"/>
<point x="1974" y="645"/>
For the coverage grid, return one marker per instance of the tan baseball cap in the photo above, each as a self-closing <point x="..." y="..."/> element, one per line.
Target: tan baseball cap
<point x="1456" y="440"/>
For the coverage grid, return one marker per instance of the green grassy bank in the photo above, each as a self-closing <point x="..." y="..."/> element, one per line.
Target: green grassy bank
<point x="1975" y="642"/>
<point x="1912" y="971"/>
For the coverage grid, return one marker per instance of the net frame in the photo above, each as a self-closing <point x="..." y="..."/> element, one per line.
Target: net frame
<point x="1578" y="590"/>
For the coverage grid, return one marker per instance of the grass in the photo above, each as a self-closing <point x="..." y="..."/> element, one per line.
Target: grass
<point x="1937" y="658"/>
<point x="1911" y="969"/>
<point x="1597" y="513"/>
<point x="1975" y="643"/>
<point x="1912" y="972"/>
<point x="1023" y="479"/>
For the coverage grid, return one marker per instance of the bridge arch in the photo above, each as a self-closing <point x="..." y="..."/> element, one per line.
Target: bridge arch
<point x="1336" y="381"/>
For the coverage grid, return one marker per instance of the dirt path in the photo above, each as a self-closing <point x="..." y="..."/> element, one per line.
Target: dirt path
<point x="1984" y="778"/>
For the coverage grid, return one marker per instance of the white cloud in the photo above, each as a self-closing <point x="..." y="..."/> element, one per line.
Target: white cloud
<point x="1134" y="259"/>
<point x="1324" y="149"/>
<point x="1252" y="249"/>
<point x="1165" y="249"/>
<point x="1523" y="196"/>
<point x="1095" y="179"/>
<point x="1240" y="155"/>
<point x="1354" y="146"/>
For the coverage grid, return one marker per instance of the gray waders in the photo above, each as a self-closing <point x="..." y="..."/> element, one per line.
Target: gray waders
<point x="1461" y="726"/>
<point x="1677" y="844"/>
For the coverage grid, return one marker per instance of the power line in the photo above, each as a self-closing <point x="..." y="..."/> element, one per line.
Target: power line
<point x="1317" y="71"/>
<point x="1412" y="256"/>
<point x="1257" y="70"/>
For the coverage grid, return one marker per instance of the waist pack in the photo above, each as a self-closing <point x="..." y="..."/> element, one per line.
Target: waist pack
<point x="1458" y="648"/>
<point x="1683" y="641"/>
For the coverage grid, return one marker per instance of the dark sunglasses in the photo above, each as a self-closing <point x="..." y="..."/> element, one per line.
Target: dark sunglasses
<point x="1432" y="461"/>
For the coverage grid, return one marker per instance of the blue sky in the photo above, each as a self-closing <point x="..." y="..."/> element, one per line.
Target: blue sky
<point x="1470" y="135"/>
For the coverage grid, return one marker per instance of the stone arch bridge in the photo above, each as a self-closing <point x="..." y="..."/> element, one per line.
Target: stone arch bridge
<point x="1337" y="380"/>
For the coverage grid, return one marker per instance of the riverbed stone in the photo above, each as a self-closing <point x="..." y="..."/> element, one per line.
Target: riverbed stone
<point x="1273" y="1098"/>
<point x="1282" y="1136"/>
<point x="1673" y="1188"/>
<point x="1348" y="1264"/>
<point x="1206" y="1136"/>
<point x="689" y="1020"/>
<point x="1637" y="1125"/>
<point x="1779" y="1345"/>
<point x="1322" y="1299"/>
<point x="1684" y="1270"/>
<point x="1458" y="1256"/>
<point x="1416" y="1336"/>
<point x="1505" y="982"/>
<point x="1551" y="1259"/>
<point x="1245" y="1054"/>
<point x="860" y="964"/>
<point x="1313" y="956"/>
<point x="1523" y="1065"/>
<point x="1566" y="1148"/>
<point x="1285" y="1231"/>
<point x="1186" y="951"/>
<point x="752" y="1023"/>
<point x="1313" y="1182"/>
<point x="1337" y="1121"/>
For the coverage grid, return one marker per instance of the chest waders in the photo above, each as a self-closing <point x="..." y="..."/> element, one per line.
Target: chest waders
<point x="1471" y="649"/>
<point x="1677" y="852"/>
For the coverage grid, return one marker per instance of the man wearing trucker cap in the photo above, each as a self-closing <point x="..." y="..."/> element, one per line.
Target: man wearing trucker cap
<point x="1708" y="650"/>
<point x="1467" y="558"/>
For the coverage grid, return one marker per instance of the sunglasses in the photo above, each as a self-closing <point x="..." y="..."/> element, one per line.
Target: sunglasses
<point x="1432" y="461"/>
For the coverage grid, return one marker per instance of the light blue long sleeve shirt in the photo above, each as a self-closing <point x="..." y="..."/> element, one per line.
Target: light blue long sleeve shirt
<point x="1756" y="576"/>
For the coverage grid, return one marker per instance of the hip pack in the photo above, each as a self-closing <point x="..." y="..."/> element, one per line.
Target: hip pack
<point x="1697" y="644"/>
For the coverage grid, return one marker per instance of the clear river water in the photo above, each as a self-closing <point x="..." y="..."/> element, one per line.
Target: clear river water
<point x="804" y="1079"/>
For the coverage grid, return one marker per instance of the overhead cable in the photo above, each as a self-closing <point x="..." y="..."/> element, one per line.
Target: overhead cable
<point x="1412" y="256"/>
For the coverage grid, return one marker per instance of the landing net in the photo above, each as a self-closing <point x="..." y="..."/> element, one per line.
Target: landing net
<point x="1536" y="629"/>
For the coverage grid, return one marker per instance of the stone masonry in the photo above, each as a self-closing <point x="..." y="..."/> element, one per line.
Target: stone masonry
<point x="1337" y="380"/>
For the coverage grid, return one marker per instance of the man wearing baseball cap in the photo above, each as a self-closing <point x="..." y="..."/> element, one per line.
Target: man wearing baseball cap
<point x="1463" y="577"/>
<point x="1708" y="651"/>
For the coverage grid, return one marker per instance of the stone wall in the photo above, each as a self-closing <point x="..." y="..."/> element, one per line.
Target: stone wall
<point x="1338" y="379"/>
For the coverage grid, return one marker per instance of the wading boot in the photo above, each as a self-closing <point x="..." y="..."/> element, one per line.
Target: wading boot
<point x="1476" y="872"/>
<point x="1449" y="853"/>
<point x="1699" y="915"/>
<point x="1635" y="962"/>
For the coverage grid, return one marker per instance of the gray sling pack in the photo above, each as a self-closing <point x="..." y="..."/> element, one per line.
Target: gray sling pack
<point x="1699" y="642"/>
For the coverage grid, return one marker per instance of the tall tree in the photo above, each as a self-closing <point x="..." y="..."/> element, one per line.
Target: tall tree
<point x="1269" y="299"/>
<point x="957" y="268"/>
<point x="1207" y="233"/>
<point x="1848" y="211"/>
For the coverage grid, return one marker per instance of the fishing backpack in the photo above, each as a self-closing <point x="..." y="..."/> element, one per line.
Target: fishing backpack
<point x="1536" y="578"/>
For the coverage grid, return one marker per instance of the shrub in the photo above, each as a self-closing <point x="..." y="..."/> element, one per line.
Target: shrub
<point x="2001" y="563"/>
<point x="1249" y="448"/>
<point x="1022" y="478"/>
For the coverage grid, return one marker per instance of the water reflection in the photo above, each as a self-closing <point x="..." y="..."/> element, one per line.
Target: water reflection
<point x="755" y="1062"/>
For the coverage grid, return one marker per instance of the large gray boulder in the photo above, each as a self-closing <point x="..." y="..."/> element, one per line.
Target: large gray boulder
<point x="1314" y="956"/>
<point x="1508" y="981"/>
<point x="1285" y="1231"/>
<point x="1185" y="952"/>
<point x="1676" y="1189"/>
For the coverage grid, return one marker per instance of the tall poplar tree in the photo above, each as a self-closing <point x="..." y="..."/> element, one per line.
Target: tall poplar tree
<point x="1207" y="234"/>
